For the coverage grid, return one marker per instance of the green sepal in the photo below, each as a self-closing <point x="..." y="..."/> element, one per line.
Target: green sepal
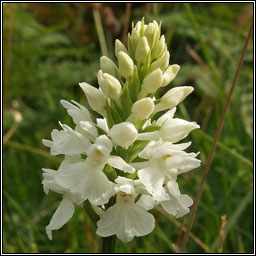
<point x="110" y="172"/>
<point x="138" y="124"/>
<point x="100" y="130"/>
<point x="134" y="85"/>
<point x="138" y="198"/>
<point x="126" y="102"/>
<point x="130" y="48"/>
<point x="113" y="113"/>
<point x="137" y="147"/>
<point x="153" y="127"/>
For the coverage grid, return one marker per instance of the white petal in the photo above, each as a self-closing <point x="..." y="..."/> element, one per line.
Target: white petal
<point x="102" y="123"/>
<point x="181" y="146"/>
<point x="118" y="163"/>
<point x="98" y="188"/>
<point x="153" y="180"/>
<point x="167" y="116"/>
<point x="88" y="130"/>
<point x="105" y="142"/>
<point x="49" y="182"/>
<point x="177" y="129"/>
<point x="123" y="134"/>
<point x="126" y="221"/>
<point x="109" y="223"/>
<point x="79" y="113"/>
<point x="91" y="184"/>
<point x="122" y="180"/>
<point x="71" y="176"/>
<point x="47" y="143"/>
<point x="61" y="216"/>
<point x="148" y="136"/>
<point x="140" y="165"/>
<point x="127" y="188"/>
<point x="149" y="150"/>
<point x="173" y="188"/>
<point x="95" y="97"/>
<point x="186" y="201"/>
<point x="68" y="142"/>
<point x="147" y="202"/>
<point x="178" y="205"/>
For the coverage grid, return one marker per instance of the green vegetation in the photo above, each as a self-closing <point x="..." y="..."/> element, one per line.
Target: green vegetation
<point x="50" y="47"/>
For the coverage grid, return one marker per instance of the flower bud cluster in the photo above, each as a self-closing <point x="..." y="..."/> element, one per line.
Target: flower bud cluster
<point x="127" y="161"/>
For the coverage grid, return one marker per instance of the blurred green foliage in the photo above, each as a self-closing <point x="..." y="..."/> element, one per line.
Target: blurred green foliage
<point x="50" y="47"/>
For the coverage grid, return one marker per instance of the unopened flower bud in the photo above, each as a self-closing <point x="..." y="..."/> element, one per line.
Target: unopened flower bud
<point x="142" y="50"/>
<point x="119" y="47"/>
<point x="162" y="62"/>
<point x="123" y="134"/>
<point x="135" y="38"/>
<point x="108" y="66"/>
<point x="173" y="97"/>
<point x="110" y="86"/>
<point x="95" y="97"/>
<point x="126" y="65"/>
<point x="151" y="83"/>
<point x="140" y="27"/>
<point x="151" y="32"/>
<point x="142" y="109"/>
<point x="159" y="48"/>
<point x="170" y="73"/>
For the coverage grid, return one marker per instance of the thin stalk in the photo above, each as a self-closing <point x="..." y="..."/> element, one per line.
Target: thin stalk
<point x="234" y="217"/>
<point x="33" y="150"/>
<point x="7" y="54"/>
<point x="126" y="23"/>
<point x="90" y="212"/>
<point x="205" y="51"/>
<point x="100" y="32"/>
<point x="217" y="135"/>
<point x="155" y="9"/>
<point x="108" y="244"/>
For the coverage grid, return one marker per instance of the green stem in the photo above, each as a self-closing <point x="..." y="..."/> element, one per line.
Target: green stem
<point x="100" y="32"/>
<point x="90" y="212"/>
<point x="108" y="244"/>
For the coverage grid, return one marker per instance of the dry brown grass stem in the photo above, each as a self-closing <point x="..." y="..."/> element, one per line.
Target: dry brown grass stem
<point x="216" y="137"/>
<point x="222" y="233"/>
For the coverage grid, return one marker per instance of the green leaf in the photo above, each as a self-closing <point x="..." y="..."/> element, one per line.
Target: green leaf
<point x="137" y="147"/>
<point x="152" y="128"/>
<point x="126" y="102"/>
<point x="110" y="172"/>
<point x="134" y="85"/>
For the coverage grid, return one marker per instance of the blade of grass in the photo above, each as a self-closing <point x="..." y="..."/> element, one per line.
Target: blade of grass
<point x="232" y="220"/>
<point x="217" y="135"/>
<point x="205" y="51"/>
<point x="126" y="22"/>
<point x="30" y="149"/>
<point x="7" y="55"/>
<point x="211" y="139"/>
<point x="100" y="32"/>
<point x="227" y="149"/>
<point x="179" y="225"/>
<point x="163" y="236"/>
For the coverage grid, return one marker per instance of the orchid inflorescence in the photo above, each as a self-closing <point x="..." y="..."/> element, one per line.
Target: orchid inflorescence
<point x="127" y="161"/>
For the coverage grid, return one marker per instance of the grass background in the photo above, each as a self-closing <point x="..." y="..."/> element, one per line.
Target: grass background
<point x="49" y="47"/>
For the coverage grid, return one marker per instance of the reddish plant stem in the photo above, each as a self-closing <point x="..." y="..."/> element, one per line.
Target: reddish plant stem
<point x="217" y="135"/>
